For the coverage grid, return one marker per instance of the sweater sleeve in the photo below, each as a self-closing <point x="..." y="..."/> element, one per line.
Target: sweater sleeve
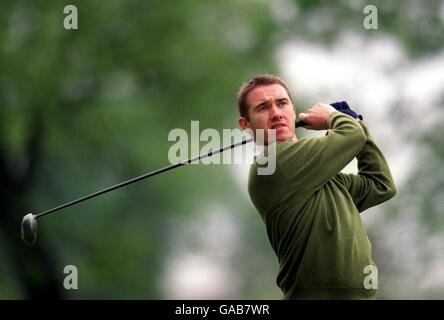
<point x="310" y="163"/>
<point x="374" y="183"/>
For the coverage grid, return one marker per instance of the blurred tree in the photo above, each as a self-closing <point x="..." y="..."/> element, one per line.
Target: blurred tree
<point x="82" y="109"/>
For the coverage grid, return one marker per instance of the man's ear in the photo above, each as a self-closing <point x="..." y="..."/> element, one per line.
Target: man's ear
<point x="244" y="123"/>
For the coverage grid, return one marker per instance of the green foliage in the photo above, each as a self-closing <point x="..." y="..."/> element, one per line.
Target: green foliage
<point x="96" y="104"/>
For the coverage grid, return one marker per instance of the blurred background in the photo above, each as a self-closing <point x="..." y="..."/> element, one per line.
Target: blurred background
<point x="84" y="109"/>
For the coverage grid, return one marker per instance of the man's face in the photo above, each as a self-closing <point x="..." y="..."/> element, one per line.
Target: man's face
<point x="270" y="107"/>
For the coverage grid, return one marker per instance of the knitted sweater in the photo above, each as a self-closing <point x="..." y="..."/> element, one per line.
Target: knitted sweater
<point x="311" y="210"/>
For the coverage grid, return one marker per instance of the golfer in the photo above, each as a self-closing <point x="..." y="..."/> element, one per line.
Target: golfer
<point x="310" y="209"/>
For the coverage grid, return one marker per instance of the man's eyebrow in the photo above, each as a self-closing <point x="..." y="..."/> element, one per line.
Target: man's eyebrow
<point x="261" y="104"/>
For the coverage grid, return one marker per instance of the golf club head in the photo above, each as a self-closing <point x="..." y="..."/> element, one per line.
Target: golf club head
<point x="29" y="229"/>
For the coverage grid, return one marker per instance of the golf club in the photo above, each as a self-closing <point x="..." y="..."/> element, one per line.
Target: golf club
<point x="29" y="222"/>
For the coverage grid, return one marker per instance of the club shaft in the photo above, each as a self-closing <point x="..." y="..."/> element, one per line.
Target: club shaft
<point x="150" y="174"/>
<point x="144" y="176"/>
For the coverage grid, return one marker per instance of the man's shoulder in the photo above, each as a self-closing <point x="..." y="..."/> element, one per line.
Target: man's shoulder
<point x="280" y="149"/>
<point x="290" y="146"/>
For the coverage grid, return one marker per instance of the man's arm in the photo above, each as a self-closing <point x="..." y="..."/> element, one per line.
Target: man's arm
<point x="374" y="182"/>
<point x="310" y="163"/>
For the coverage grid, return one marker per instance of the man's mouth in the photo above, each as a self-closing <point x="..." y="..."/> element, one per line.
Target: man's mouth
<point x="278" y="125"/>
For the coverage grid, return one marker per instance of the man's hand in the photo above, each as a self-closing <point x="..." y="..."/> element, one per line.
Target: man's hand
<point x="317" y="116"/>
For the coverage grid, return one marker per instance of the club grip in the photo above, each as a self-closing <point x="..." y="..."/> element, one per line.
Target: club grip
<point x="300" y="123"/>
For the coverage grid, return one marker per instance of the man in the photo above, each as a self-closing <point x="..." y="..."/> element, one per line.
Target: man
<point x="311" y="209"/>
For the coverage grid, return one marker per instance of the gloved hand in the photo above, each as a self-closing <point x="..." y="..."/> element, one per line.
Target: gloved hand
<point x="340" y="106"/>
<point x="344" y="108"/>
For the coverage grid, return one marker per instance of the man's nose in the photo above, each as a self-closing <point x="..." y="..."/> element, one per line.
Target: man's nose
<point x="276" y="112"/>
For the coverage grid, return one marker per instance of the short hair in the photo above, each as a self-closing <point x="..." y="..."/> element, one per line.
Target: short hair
<point x="250" y="84"/>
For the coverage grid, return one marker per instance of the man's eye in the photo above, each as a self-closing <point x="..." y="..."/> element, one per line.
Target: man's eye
<point x="283" y="103"/>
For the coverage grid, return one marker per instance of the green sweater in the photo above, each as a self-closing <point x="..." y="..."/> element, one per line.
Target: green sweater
<point x="311" y="210"/>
